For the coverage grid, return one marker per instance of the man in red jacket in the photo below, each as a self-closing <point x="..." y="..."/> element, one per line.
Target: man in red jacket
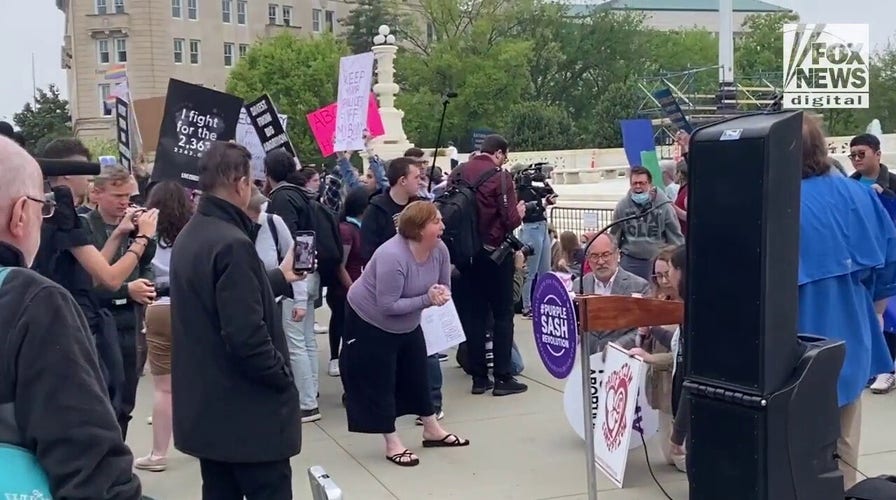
<point x="488" y="283"/>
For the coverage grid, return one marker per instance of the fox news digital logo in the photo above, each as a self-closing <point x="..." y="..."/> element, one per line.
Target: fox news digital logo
<point x="826" y="66"/>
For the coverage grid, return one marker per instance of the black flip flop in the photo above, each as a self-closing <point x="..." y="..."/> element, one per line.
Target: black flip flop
<point x="399" y="459"/>
<point x="449" y="441"/>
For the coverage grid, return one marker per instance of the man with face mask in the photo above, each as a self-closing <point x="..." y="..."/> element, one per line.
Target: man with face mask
<point x="53" y="401"/>
<point x="641" y="239"/>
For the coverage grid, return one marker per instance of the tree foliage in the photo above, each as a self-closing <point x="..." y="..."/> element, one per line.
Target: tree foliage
<point x="362" y="23"/>
<point x="300" y="75"/>
<point x="46" y="120"/>
<point x="101" y="147"/>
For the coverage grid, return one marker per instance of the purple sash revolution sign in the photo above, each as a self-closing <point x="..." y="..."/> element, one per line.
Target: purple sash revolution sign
<point x="554" y="324"/>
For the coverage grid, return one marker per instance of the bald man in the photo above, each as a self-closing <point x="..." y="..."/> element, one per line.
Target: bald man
<point x="53" y="403"/>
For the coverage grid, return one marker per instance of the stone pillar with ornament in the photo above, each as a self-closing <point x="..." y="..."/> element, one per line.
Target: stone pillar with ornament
<point x="394" y="142"/>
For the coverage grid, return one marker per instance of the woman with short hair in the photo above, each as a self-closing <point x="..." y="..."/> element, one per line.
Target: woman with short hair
<point x="383" y="361"/>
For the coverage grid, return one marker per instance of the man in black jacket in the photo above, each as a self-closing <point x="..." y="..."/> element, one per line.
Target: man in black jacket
<point x="235" y="405"/>
<point x="864" y="153"/>
<point x="53" y="402"/>
<point x="378" y="222"/>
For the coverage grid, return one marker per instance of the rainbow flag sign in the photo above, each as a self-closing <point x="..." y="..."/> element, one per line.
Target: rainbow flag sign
<point x="116" y="72"/>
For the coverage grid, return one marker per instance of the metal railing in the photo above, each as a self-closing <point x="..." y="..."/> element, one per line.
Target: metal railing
<point x="579" y="220"/>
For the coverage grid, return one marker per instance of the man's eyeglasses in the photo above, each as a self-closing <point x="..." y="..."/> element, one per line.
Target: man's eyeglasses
<point x="48" y="204"/>
<point x="856" y="156"/>
<point x="595" y="257"/>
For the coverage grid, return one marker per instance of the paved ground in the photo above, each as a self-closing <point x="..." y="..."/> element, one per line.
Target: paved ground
<point x="522" y="447"/>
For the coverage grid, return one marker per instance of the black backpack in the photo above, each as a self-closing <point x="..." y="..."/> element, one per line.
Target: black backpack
<point x="460" y="214"/>
<point x="329" y="244"/>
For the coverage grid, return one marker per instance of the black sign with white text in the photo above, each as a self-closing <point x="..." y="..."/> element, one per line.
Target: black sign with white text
<point x="194" y="118"/>
<point x="264" y="119"/>
<point x="123" y="128"/>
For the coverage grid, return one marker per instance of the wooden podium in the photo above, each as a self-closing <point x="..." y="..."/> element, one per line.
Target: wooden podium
<point x="613" y="312"/>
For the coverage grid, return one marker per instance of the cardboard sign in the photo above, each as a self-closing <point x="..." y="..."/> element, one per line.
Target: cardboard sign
<point x="194" y="118"/>
<point x="264" y="118"/>
<point x="123" y="132"/>
<point x="323" y="124"/>
<point x="554" y="325"/>
<point x="246" y="136"/>
<point x="618" y="398"/>
<point x="355" y="78"/>
<point x="672" y="109"/>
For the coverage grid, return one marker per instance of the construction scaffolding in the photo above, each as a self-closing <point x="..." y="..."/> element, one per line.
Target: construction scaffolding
<point x="698" y="95"/>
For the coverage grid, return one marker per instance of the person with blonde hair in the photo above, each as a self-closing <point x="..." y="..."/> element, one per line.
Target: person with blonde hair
<point x="384" y="360"/>
<point x="843" y="288"/>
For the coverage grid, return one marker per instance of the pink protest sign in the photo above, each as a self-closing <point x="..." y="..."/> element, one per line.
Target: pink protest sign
<point x="323" y="124"/>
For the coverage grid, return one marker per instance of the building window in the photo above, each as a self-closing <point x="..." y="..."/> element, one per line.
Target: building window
<point x="241" y="11"/>
<point x="119" y="6"/>
<point x="194" y="51"/>
<point x="329" y="21"/>
<point x="228" y="55"/>
<point x="272" y="13"/>
<point x="175" y="9"/>
<point x="121" y="50"/>
<point x="101" y="6"/>
<point x="106" y="107"/>
<point x="178" y="51"/>
<point x="102" y="50"/>
<point x="225" y="10"/>
<point x="244" y="48"/>
<point x="193" y="9"/>
<point x="315" y="20"/>
<point x="287" y="15"/>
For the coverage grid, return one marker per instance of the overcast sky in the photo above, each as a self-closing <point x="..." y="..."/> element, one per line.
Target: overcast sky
<point x="35" y="27"/>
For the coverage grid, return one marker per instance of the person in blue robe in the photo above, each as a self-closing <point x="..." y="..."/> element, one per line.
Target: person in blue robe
<point x="847" y="266"/>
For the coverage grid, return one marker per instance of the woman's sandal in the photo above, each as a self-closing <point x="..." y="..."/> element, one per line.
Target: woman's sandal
<point x="404" y="459"/>
<point x="449" y="441"/>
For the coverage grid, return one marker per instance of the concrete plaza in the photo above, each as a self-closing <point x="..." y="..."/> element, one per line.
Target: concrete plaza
<point x="521" y="446"/>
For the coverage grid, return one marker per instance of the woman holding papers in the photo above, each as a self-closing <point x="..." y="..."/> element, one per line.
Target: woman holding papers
<point x="383" y="360"/>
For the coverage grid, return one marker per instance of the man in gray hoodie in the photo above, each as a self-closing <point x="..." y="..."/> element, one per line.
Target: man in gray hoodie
<point x="641" y="239"/>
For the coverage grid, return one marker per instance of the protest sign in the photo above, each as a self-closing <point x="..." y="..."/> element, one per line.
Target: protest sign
<point x="616" y="404"/>
<point x="355" y="76"/>
<point x="554" y="324"/>
<point x="646" y="420"/>
<point x="323" y="124"/>
<point x="248" y="138"/>
<point x="123" y="131"/>
<point x="194" y="117"/>
<point x="264" y="118"/>
<point x="672" y="109"/>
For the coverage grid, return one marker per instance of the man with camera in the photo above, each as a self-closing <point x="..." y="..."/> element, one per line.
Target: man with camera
<point x="532" y="188"/>
<point x="489" y="279"/>
<point x="111" y="220"/>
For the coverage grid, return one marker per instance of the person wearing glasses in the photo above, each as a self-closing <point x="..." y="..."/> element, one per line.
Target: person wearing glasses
<point x="58" y="434"/>
<point x="608" y="278"/>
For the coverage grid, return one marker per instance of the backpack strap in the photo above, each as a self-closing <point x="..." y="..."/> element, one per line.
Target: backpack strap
<point x="485" y="177"/>
<point x="274" y="234"/>
<point x="3" y="272"/>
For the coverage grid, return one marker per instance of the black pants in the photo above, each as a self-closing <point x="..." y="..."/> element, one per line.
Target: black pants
<point x="488" y="289"/>
<point x="890" y="337"/>
<point x="254" y="481"/>
<point x="336" y="303"/>
<point x="385" y="375"/>
<point x="126" y="323"/>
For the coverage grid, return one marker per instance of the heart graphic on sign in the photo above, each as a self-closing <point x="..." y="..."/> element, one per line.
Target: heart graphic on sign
<point x="615" y="422"/>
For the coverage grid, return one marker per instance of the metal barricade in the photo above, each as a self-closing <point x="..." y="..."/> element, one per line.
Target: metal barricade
<point x="579" y="220"/>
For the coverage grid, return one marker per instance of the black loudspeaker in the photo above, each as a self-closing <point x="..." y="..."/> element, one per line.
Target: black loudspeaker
<point x="743" y="252"/>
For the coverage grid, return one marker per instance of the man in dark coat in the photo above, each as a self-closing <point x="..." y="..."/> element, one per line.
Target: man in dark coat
<point x="235" y="405"/>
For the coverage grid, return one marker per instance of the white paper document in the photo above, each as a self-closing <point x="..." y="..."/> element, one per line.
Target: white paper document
<point x="441" y="328"/>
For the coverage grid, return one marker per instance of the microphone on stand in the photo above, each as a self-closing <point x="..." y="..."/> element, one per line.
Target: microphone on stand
<point x="639" y="215"/>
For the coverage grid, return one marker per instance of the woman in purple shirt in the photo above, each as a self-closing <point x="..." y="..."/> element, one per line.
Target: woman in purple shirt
<point x="383" y="360"/>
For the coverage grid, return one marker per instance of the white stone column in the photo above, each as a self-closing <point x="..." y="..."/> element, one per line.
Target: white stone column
<point x="394" y="142"/>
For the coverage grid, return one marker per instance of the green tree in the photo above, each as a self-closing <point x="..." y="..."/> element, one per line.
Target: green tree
<point x="366" y="17"/>
<point x="538" y="127"/>
<point x="101" y="147"/>
<point x="300" y="75"/>
<point x="46" y="120"/>
<point x="760" y="50"/>
<point x="882" y="90"/>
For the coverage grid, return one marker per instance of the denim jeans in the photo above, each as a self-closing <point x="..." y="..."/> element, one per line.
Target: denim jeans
<point x="535" y="234"/>
<point x="303" y="347"/>
<point x="435" y="381"/>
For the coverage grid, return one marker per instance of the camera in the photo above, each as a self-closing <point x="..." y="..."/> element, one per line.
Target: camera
<point x="534" y="178"/>
<point x="510" y="244"/>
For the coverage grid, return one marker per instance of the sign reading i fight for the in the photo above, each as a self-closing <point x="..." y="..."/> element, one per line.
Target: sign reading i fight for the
<point x="554" y="323"/>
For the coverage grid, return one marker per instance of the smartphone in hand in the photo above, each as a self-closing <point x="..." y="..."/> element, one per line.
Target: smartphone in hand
<point x="304" y="259"/>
